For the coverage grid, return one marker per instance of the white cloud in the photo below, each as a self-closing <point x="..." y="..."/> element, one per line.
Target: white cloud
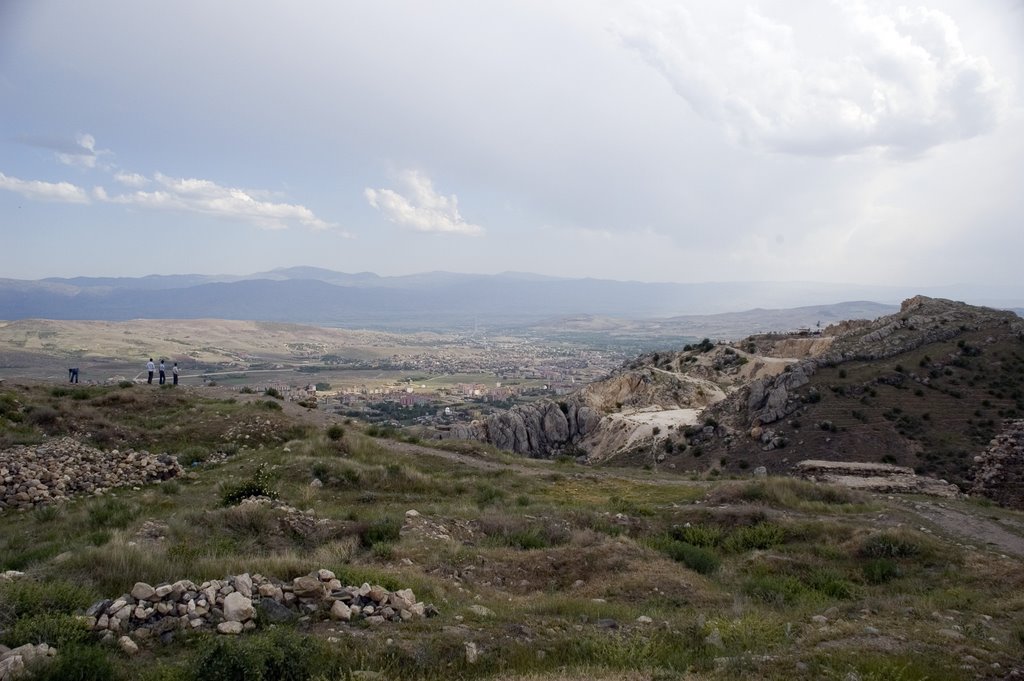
<point x="420" y="207"/>
<point x="851" y="78"/>
<point x="83" y="153"/>
<point x="131" y="179"/>
<point x="44" y="191"/>
<point x="209" y="198"/>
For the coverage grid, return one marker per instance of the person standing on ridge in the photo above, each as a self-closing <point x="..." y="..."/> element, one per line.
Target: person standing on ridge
<point x="174" y="373"/>
<point x="163" y="369"/>
<point x="150" y="367"/>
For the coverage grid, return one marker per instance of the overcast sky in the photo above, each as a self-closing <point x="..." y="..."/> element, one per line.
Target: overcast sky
<point x="845" y="141"/>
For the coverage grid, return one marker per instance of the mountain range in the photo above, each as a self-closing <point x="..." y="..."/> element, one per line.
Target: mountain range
<point x="428" y="300"/>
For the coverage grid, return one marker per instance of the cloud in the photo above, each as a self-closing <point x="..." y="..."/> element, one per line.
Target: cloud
<point x="848" y="79"/>
<point x="131" y="179"/>
<point x="420" y="207"/>
<point x="37" y="190"/>
<point x="81" y="151"/>
<point x="209" y="198"/>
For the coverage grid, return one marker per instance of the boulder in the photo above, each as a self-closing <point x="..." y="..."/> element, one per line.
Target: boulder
<point x="238" y="608"/>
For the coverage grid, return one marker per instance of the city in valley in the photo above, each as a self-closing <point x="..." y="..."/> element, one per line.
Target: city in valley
<point x="402" y="378"/>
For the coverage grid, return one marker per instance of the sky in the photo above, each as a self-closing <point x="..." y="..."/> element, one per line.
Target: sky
<point x="843" y="141"/>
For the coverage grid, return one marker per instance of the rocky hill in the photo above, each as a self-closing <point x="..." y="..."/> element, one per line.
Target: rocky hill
<point x="926" y="388"/>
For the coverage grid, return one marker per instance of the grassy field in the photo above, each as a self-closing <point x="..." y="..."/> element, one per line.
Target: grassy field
<point x="582" y="573"/>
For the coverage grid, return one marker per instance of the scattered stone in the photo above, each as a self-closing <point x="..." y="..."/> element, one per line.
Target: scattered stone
<point x="231" y="628"/>
<point x="481" y="611"/>
<point x="472" y="654"/>
<point x="127" y="645"/>
<point x="644" y="619"/>
<point x="819" y="619"/>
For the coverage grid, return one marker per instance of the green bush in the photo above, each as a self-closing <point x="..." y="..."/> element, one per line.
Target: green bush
<point x="279" y="655"/>
<point x="487" y="495"/>
<point x="260" y="484"/>
<point x="761" y="536"/>
<point x="704" y="536"/>
<point x="335" y="432"/>
<point x="890" y="545"/>
<point x="55" y="629"/>
<point x="385" y="530"/>
<point x="193" y="454"/>
<point x="77" y="662"/>
<point x="269" y="406"/>
<point x="273" y="392"/>
<point x="775" y="589"/>
<point x="111" y="513"/>
<point x="880" y="570"/>
<point x="25" y="598"/>
<point x="696" y="558"/>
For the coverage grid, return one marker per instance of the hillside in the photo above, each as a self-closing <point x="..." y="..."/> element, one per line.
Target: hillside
<point x="370" y="558"/>
<point x="926" y="388"/>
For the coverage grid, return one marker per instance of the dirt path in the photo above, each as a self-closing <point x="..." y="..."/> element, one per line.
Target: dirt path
<point x="970" y="527"/>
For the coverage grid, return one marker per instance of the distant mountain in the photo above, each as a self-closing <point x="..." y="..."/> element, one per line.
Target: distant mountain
<point x="431" y="299"/>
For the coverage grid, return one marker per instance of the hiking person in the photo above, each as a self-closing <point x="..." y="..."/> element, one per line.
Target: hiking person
<point x="73" y="374"/>
<point x="150" y="367"/>
<point x="163" y="375"/>
<point x="174" y="373"/>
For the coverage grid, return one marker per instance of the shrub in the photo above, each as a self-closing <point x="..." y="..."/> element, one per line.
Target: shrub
<point x="41" y="415"/>
<point x="260" y="484"/>
<point x="25" y="598"/>
<point x="269" y="406"/>
<point x="890" y="545"/>
<point x="193" y="455"/>
<point x="77" y="662"/>
<point x="385" y="530"/>
<point x="696" y="558"/>
<point x="880" y="570"/>
<point x="487" y="495"/>
<point x="273" y="392"/>
<point x="704" y="536"/>
<point x="111" y="513"/>
<point x="761" y="536"/>
<point x="335" y="432"/>
<point x="279" y="655"/>
<point x="55" y="629"/>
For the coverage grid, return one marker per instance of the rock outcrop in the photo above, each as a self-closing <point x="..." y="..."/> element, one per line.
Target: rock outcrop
<point x="874" y="477"/>
<point x="60" y="469"/>
<point x="537" y="430"/>
<point x="999" y="470"/>
<point x="771" y="399"/>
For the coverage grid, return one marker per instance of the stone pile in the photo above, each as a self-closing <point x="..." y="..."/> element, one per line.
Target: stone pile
<point x="234" y="605"/>
<point x="999" y="470"/>
<point x="57" y="470"/>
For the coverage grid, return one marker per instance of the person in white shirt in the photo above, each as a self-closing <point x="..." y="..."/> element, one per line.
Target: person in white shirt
<point x="150" y="367"/>
<point x="163" y="376"/>
<point x="174" y="373"/>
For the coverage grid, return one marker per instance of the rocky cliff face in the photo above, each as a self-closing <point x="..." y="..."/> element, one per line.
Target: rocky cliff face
<point x="999" y="470"/>
<point x="537" y="430"/>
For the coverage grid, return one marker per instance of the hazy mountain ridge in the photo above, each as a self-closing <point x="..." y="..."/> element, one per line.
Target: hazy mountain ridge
<point x="430" y="299"/>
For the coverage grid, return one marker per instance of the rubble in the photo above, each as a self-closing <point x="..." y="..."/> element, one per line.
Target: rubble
<point x="56" y="471"/>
